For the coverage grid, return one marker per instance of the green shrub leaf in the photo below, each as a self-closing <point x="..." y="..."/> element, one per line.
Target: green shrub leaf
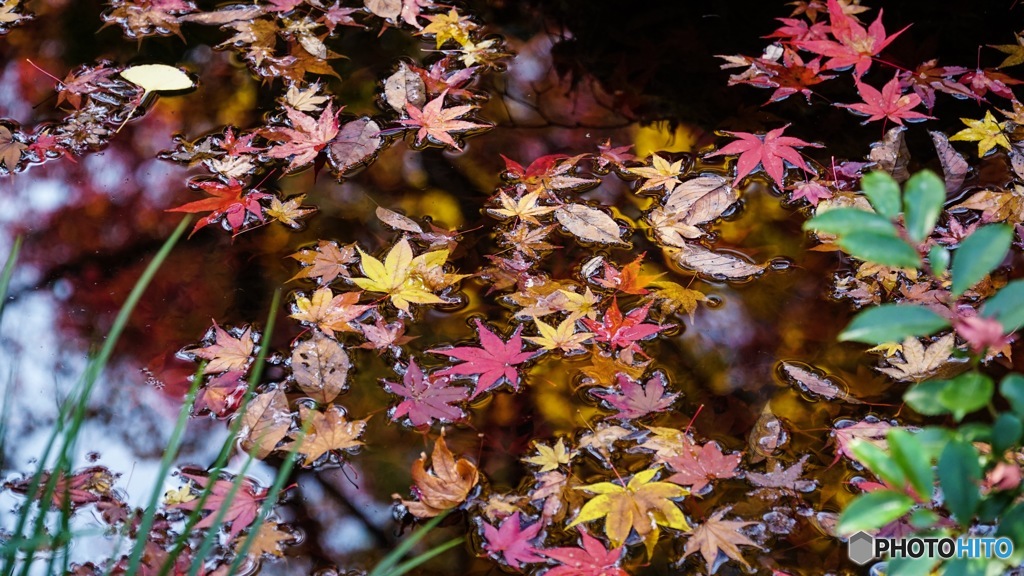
<point x="873" y="510"/>
<point x="966" y="393"/>
<point x="892" y="323"/>
<point x="923" y="198"/>
<point x="1012" y="388"/>
<point x="979" y="254"/>
<point x="910" y="456"/>
<point x="959" y="474"/>
<point x="1007" y="306"/>
<point x="879" y="248"/>
<point x="883" y="192"/>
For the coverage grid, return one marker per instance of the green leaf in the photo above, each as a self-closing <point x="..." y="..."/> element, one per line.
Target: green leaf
<point x="923" y="397"/>
<point x="873" y="510"/>
<point x="910" y="456"/>
<point x="907" y="566"/>
<point x="938" y="258"/>
<point x="842" y="221"/>
<point x="923" y="518"/>
<point x="883" y="192"/>
<point x="979" y="254"/>
<point x="966" y="393"/>
<point x="965" y="567"/>
<point x="959" y="475"/>
<point x="892" y="323"/>
<point x="880" y="249"/>
<point x="1007" y="306"/>
<point x="1012" y="388"/>
<point x="1011" y="525"/>
<point x="1006" y="432"/>
<point x="878" y="461"/>
<point x="923" y="198"/>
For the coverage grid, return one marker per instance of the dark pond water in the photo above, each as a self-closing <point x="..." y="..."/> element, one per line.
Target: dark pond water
<point x="582" y="74"/>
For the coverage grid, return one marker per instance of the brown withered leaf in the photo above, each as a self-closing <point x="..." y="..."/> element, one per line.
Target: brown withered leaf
<point x="355" y="145"/>
<point x="446" y="488"/>
<point x="589" y="224"/>
<point x="10" y="149"/>
<point x="397" y="221"/>
<point x="320" y="367"/>
<point x="717" y="265"/>
<point x="810" y="380"/>
<point x="329" y="431"/>
<point x="325" y="262"/>
<point x="920" y="363"/>
<point x="404" y="87"/>
<point x="694" y="202"/>
<point x="891" y="155"/>
<point x="672" y="297"/>
<point x="785" y="478"/>
<point x="954" y="167"/>
<point x="602" y="369"/>
<point x="387" y="9"/>
<point x="228" y="352"/>
<point x="767" y="436"/>
<point x="269" y="541"/>
<point x="717" y="536"/>
<point x="265" y="422"/>
<point x="997" y="205"/>
<point x="226" y="15"/>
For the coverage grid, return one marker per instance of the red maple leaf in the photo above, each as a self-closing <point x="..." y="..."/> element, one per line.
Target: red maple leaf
<point x="629" y="280"/>
<point x="812" y="191"/>
<point x="853" y="45"/>
<point x="229" y="200"/>
<point x="86" y="80"/>
<point x="513" y="541"/>
<point x="624" y="332"/>
<point x="426" y="397"/>
<point x="929" y="77"/>
<point x="492" y="361"/>
<point x="980" y="82"/>
<point x="695" y="466"/>
<point x="797" y="30"/>
<point x="437" y="123"/>
<point x="444" y="76"/>
<point x="615" y="156"/>
<point x="222" y="394"/>
<point x="306" y="138"/>
<point x="239" y="511"/>
<point x="768" y="151"/>
<point x="593" y="559"/>
<point x="889" y="104"/>
<point x="635" y="400"/>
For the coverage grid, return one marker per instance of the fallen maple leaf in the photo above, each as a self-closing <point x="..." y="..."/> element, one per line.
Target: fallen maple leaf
<point x="1014" y="52"/>
<point x="329" y="431"/>
<point x="633" y="400"/>
<point x="446" y="488"/>
<point x="690" y="204"/>
<point x="889" y="104"/>
<point x="551" y="457"/>
<point x="853" y="45"/>
<point x="426" y="398"/>
<point x="564" y="337"/>
<point x="381" y="336"/>
<point x="270" y="540"/>
<point x="228" y="352"/>
<point x="229" y="200"/>
<point x="920" y="363"/>
<point x="784" y="478"/>
<point x="330" y="312"/>
<point x="716" y="536"/>
<point x="695" y="466"/>
<point x="513" y="541"/>
<point x="399" y="275"/>
<point x="986" y="132"/>
<point x="593" y="559"/>
<point x="305" y="139"/>
<point x="437" y="123"/>
<point x="325" y="262"/>
<point x="642" y="505"/>
<point x="222" y="394"/>
<point x="265" y="422"/>
<point x="493" y="361"/>
<point x="629" y="280"/>
<point x="624" y="331"/>
<point x="239" y="511"/>
<point x="768" y="151"/>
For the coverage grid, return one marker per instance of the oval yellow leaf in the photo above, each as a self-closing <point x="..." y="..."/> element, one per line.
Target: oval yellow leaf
<point x="158" y="77"/>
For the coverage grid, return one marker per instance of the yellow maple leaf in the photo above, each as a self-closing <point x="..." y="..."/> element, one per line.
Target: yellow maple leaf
<point x="660" y="173"/>
<point x="986" y="132"/>
<point x="564" y="337"/>
<point x="525" y="208"/>
<point x="330" y="312"/>
<point x="672" y="297"/>
<point x="289" y="212"/>
<point x="450" y="26"/>
<point x="329" y="431"/>
<point x="642" y="505"/>
<point x="580" y="305"/>
<point x="551" y="457"/>
<point x="402" y="277"/>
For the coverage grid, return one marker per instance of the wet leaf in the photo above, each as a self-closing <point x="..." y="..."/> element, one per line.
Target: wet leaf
<point x="551" y="457"/>
<point x="593" y="559"/>
<point x="716" y="536"/>
<point x="954" y="167"/>
<point x="265" y="422"/>
<point x="672" y="297"/>
<point x="330" y="312"/>
<point x="694" y="202"/>
<point x="270" y="540"/>
<point x="239" y="512"/>
<point x="326" y="262"/>
<point x="329" y="431"/>
<point x="404" y="87"/>
<point x="493" y="362"/>
<point x="920" y="363"/>
<point x="398" y="275"/>
<point x="888" y="104"/>
<point x="512" y="541"/>
<point x="157" y="77"/>
<point x="303" y="141"/>
<point x="426" y="398"/>
<point x="386" y="9"/>
<point x="228" y="352"/>
<point x="986" y="132"/>
<point x="873" y="431"/>
<point x="320" y="367"/>
<point x="564" y="337"/>
<point x="222" y="394"/>
<point x="717" y="265"/>
<point x="810" y="381"/>
<point x="438" y="123"/>
<point x="768" y="151"/>
<point x="397" y="221"/>
<point x="355" y="145"/>
<point x="290" y="211"/>
<point x="10" y="149"/>
<point x="589" y="224"/>
<point x="635" y="400"/>
<point x="446" y="487"/>
<point x="784" y="478"/>
<point x="997" y="205"/>
<point x="696" y="466"/>
<point x="891" y="154"/>
<point x="229" y="200"/>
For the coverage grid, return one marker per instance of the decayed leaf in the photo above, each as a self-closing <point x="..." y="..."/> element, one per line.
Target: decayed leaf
<point x="447" y="487"/>
<point x="404" y="87"/>
<point x="270" y="540"/>
<point x="997" y="205"/>
<point x="589" y="224"/>
<point x="397" y="221"/>
<point x="920" y="363"/>
<point x="227" y="353"/>
<point x="954" y="167"/>
<point x="716" y="536"/>
<point x="767" y="435"/>
<point x="870" y="430"/>
<point x="717" y="265"/>
<point x="320" y="367"/>
<point x="891" y="155"/>
<point x="642" y="505"/>
<point x="329" y="431"/>
<point x="265" y="422"/>
<point x="672" y="297"/>
<point x="325" y="262"/>
<point x="810" y="381"/>
<point x="355" y="145"/>
<point x="694" y="202"/>
<point x="784" y="478"/>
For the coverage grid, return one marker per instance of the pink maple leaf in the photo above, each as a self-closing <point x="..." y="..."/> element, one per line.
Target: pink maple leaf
<point x="853" y="45"/>
<point x="426" y="398"/>
<point x="513" y="541"/>
<point x="695" y="466"/>
<point x="634" y="400"/>
<point x="624" y="332"/>
<point x="768" y="151"/>
<point x="812" y="191"/>
<point x="306" y="138"/>
<point x="890" y="103"/>
<point x="239" y="511"/>
<point x="437" y="122"/>
<point x="228" y="200"/>
<point x="593" y="559"/>
<point x="492" y="361"/>
<point x="981" y="82"/>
